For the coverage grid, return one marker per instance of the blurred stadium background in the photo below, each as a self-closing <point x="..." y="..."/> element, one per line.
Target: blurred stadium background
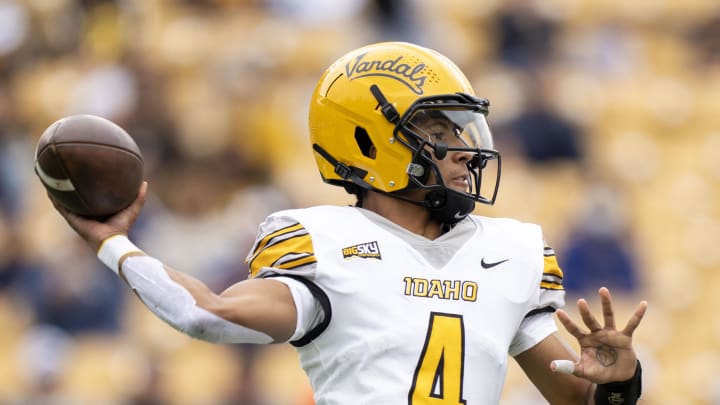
<point x="606" y="112"/>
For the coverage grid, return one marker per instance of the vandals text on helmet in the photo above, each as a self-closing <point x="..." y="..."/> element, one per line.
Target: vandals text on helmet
<point x="407" y="74"/>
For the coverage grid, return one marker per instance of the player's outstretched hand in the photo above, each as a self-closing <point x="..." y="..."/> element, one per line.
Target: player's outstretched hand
<point x="606" y="353"/>
<point x="94" y="231"/>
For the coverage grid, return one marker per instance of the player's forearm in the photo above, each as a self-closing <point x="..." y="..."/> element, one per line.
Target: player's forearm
<point x="177" y="300"/>
<point x="259" y="304"/>
<point x="204" y="297"/>
<point x="175" y="303"/>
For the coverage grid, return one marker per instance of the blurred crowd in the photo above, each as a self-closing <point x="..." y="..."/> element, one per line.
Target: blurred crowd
<point x="606" y="113"/>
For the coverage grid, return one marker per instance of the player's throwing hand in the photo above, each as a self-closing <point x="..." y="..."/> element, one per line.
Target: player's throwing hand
<point x="606" y="353"/>
<point x="94" y="231"/>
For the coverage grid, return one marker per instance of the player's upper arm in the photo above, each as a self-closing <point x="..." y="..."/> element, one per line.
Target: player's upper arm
<point x="264" y="304"/>
<point x="284" y="250"/>
<point x="537" y="343"/>
<point x="538" y="322"/>
<point x="283" y="245"/>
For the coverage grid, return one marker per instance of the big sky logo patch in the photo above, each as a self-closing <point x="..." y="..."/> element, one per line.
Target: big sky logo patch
<point x="368" y="250"/>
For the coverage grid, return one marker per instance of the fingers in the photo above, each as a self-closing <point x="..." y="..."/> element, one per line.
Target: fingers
<point x="569" y="325"/>
<point x="62" y="210"/>
<point x="589" y="319"/>
<point x="587" y="316"/>
<point x="143" y="190"/>
<point x="125" y="218"/>
<point x="70" y="217"/>
<point x="608" y="315"/>
<point x="139" y="202"/>
<point x="635" y="319"/>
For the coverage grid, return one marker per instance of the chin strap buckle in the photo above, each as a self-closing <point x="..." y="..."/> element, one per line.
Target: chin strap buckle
<point x="343" y="170"/>
<point x="388" y="110"/>
<point x="353" y="174"/>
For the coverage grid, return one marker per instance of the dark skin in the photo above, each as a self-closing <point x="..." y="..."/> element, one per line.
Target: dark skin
<point x="606" y="353"/>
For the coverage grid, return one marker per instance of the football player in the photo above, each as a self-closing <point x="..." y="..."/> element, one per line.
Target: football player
<point x="406" y="297"/>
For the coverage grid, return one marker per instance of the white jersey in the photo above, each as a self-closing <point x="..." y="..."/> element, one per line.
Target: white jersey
<point x="406" y="319"/>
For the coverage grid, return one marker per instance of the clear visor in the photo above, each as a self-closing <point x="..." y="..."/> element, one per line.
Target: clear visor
<point x="456" y="127"/>
<point x="441" y="128"/>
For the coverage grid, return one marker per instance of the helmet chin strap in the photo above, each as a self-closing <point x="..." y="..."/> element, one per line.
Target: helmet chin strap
<point x="448" y="206"/>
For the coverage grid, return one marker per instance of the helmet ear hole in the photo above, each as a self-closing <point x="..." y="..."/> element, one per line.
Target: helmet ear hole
<point x="364" y="143"/>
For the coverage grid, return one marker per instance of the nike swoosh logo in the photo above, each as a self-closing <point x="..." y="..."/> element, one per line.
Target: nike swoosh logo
<point x="486" y="265"/>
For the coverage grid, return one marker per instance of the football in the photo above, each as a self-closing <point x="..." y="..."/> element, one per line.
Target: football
<point x="89" y="165"/>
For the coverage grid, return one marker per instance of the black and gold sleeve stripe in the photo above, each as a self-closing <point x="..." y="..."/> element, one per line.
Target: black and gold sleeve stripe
<point x="286" y="248"/>
<point x="552" y="274"/>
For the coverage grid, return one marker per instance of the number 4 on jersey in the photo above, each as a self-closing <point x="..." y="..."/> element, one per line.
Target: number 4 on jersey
<point x="438" y="377"/>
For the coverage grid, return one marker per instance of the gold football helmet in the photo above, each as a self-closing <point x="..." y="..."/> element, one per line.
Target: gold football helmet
<point x="365" y="126"/>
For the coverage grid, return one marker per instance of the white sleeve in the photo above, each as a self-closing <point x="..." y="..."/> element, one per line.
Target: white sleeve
<point x="309" y="310"/>
<point x="175" y="305"/>
<point x="539" y="322"/>
<point x="532" y="331"/>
